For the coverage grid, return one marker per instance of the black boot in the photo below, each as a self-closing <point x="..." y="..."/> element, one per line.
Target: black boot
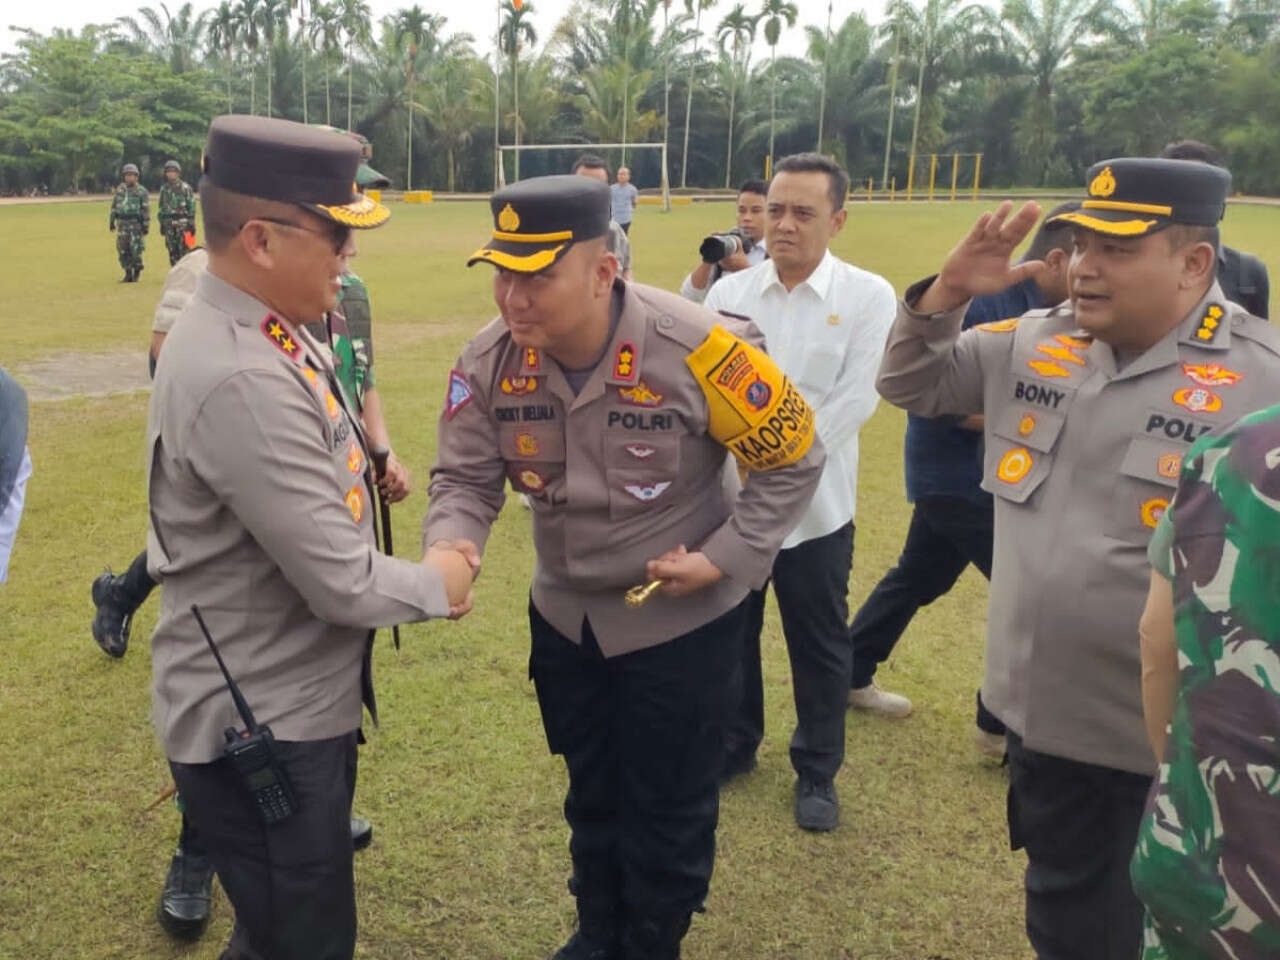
<point x="114" y="616"/>
<point x="654" y="935"/>
<point x="184" y="902"/>
<point x="128" y="275"/>
<point x="137" y="272"/>
<point x="361" y="833"/>
<point x="597" y="935"/>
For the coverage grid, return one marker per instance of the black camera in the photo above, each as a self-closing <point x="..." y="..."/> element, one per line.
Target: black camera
<point x="720" y="245"/>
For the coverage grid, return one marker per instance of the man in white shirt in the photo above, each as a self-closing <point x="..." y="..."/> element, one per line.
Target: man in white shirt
<point x="751" y="200"/>
<point x="826" y="322"/>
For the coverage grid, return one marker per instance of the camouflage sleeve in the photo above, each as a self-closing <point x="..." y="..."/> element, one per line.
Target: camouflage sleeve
<point x="145" y="212"/>
<point x="354" y="304"/>
<point x="115" y="203"/>
<point x="190" y="199"/>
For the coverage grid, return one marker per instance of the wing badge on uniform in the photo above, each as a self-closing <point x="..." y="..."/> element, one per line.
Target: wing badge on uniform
<point x="1211" y="374"/>
<point x="641" y="451"/>
<point x="640" y="395"/>
<point x="1198" y="400"/>
<point x="645" y="492"/>
<point x="458" y="394"/>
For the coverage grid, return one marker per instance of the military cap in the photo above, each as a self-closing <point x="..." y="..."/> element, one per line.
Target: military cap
<point x="129" y="168"/>
<point x="172" y="165"/>
<point x="1133" y="196"/>
<point x="536" y="221"/>
<point x="290" y="163"/>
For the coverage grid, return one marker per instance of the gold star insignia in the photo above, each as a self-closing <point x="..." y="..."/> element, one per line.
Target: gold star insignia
<point x="288" y="344"/>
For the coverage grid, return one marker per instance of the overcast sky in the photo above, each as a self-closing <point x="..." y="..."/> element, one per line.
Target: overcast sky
<point x="478" y="19"/>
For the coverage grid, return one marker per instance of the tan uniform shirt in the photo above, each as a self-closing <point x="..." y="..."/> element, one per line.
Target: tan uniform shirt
<point x="261" y="513"/>
<point x="179" y="286"/>
<point x="1082" y="459"/>
<point x="631" y="467"/>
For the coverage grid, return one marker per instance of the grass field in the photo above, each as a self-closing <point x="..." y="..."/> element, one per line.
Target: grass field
<point x="469" y="858"/>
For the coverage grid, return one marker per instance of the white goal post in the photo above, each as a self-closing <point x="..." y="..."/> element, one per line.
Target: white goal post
<point x="586" y="148"/>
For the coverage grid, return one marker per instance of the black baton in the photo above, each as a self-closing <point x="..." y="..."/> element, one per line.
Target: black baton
<point x="380" y="455"/>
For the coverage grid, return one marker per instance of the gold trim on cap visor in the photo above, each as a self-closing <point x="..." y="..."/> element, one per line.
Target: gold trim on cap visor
<point x="361" y="212"/>
<point x="1115" y="228"/>
<point x="509" y="261"/>
<point x="533" y="237"/>
<point x="1156" y="208"/>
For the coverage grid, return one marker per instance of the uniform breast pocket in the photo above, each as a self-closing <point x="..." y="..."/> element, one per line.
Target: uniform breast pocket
<point x="1143" y="490"/>
<point x="1019" y="453"/>
<point x="641" y="473"/>
<point x="820" y="366"/>
<point x="535" y="456"/>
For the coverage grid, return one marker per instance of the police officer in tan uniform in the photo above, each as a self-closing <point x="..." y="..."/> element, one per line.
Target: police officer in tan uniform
<point x="261" y="504"/>
<point x="1089" y="408"/>
<point x="614" y="406"/>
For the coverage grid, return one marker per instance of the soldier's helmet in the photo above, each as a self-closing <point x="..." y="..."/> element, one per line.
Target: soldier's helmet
<point x="172" y="165"/>
<point x="129" y="168"/>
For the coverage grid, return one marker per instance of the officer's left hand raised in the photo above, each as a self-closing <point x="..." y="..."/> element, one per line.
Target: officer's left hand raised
<point x="682" y="572"/>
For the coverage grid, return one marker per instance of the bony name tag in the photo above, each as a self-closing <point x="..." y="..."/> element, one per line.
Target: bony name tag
<point x="755" y="411"/>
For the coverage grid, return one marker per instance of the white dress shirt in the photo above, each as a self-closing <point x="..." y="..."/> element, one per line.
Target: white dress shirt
<point x="828" y="335"/>
<point x="757" y="255"/>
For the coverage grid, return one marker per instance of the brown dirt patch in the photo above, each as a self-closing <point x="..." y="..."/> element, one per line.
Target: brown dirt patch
<point x="74" y="374"/>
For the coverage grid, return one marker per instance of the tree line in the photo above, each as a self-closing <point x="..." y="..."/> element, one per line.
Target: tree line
<point x="1041" y="88"/>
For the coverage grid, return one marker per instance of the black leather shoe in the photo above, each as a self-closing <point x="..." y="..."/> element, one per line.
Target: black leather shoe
<point x="184" y="901"/>
<point x="361" y="833"/>
<point x="817" y="807"/>
<point x="111" y="622"/>
<point x="580" y="948"/>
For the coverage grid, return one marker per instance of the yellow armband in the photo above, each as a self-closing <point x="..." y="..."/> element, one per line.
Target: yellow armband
<point x="755" y="411"/>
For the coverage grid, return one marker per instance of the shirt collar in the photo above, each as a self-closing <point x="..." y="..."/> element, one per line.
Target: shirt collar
<point x="819" y="281"/>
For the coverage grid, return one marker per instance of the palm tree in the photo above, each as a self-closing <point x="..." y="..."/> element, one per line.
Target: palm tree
<point x="415" y="31"/>
<point x="695" y="7"/>
<point x="775" y="13"/>
<point x="942" y="36"/>
<point x="826" y="65"/>
<point x="515" y="30"/>
<point x="271" y="14"/>
<point x="247" y="26"/>
<point x="173" y="39"/>
<point x="738" y="29"/>
<point x="354" y="17"/>
<point x="221" y="35"/>
<point x="451" y="103"/>
<point x="326" y="28"/>
<point x="1041" y="35"/>
<point x="626" y="14"/>
<point x="855" y="85"/>
<point x="304" y="39"/>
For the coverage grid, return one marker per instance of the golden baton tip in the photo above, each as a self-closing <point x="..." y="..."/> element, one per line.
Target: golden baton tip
<point x="637" y="596"/>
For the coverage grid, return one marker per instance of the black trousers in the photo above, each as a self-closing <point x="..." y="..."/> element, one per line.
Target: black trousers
<point x="811" y="583"/>
<point x="291" y="884"/>
<point x="642" y="736"/>
<point x="946" y="535"/>
<point x="1078" y="823"/>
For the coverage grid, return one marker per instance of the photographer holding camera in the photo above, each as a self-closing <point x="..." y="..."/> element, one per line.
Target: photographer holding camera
<point x="735" y="250"/>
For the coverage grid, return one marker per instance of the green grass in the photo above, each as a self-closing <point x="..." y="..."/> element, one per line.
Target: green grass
<point x="469" y="859"/>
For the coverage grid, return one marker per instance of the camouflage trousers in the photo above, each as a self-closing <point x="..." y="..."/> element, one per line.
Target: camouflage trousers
<point x="173" y="231"/>
<point x="129" y="245"/>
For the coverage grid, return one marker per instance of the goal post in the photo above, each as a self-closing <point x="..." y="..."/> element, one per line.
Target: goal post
<point x="588" y="148"/>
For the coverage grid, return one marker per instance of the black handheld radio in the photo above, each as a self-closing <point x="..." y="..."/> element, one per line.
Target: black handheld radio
<point x="252" y="752"/>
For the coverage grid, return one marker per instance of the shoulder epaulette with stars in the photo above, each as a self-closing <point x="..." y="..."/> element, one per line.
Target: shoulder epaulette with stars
<point x="274" y="330"/>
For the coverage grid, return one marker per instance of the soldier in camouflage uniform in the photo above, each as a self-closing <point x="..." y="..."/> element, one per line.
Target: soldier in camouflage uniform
<point x="177" y="211"/>
<point x="131" y="220"/>
<point x="349" y="333"/>
<point x="1207" y="864"/>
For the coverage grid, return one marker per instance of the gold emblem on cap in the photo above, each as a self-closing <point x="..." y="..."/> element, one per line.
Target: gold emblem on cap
<point x="508" y="219"/>
<point x="1104" y="184"/>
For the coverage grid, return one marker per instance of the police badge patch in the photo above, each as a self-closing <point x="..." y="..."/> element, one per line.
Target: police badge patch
<point x="458" y="395"/>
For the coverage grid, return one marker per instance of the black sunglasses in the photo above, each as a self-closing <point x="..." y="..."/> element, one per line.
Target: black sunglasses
<point x="338" y="235"/>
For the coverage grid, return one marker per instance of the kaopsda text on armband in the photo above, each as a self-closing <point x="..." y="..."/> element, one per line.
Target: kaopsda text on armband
<point x="755" y="411"/>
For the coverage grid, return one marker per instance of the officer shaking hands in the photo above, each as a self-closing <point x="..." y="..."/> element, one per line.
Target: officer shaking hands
<point x="261" y="500"/>
<point x="614" y="406"/>
<point x="1090" y="407"/>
